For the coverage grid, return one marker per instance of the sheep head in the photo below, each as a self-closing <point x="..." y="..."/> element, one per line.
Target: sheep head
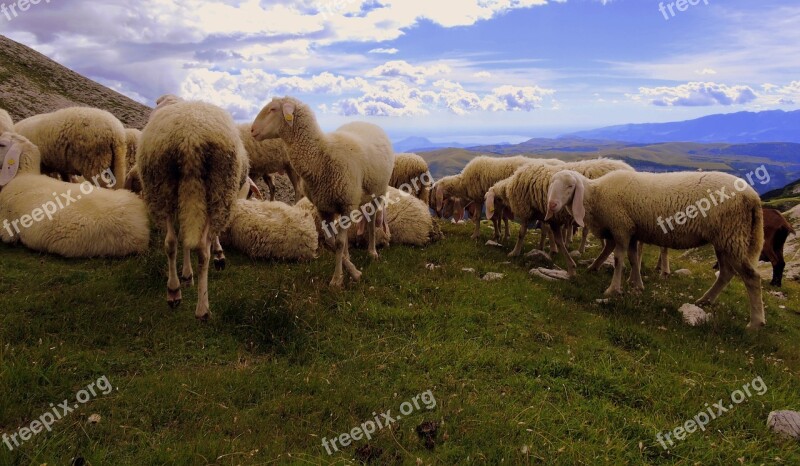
<point x="566" y="187"/>
<point x="275" y="118"/>
<point x="17" y="155"/>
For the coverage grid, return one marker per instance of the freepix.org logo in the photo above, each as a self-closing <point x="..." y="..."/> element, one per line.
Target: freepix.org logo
<point x="14" y="9"/>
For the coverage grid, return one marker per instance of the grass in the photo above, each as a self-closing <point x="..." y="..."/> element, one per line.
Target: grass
<point x="522" y="371"/>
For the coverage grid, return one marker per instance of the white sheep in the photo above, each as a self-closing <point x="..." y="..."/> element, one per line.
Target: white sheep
<point x="61" y="218"/>
<point x="341" y="171"/>
<point x="471" y="185"/>
<point x="706" y="208"/>
<point x="272" y="230"/>
<point x="192" y="164"/>
<point x="79" y="141"/>
<point x="525" y="193"/>
<point x="268" y="157"/>
<point x="6" y="123"/>
<point x="411" y="174"/>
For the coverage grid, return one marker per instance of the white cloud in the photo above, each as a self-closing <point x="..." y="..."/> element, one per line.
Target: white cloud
<point x="384" y="51"/>
<point x="482" y="75"/>
<point x="706" y="71"/>
<point x="695" y="94"/>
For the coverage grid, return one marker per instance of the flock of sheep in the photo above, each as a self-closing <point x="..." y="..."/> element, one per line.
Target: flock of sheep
<point x="193" y="168"/>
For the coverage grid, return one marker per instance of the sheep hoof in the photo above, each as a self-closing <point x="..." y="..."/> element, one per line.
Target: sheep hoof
<point x="374" y="255"/>
<point x="356" y="275"/>
<point x="204" y="317"/>
<point x="665" y="275"/>
<point x="173" y="298"/>
<point x="187" y="281"/>
<point x="337" y="283"/>
<point x="611" y="291"/>
<point x="514" y="253"/>
<point x="755" y="326"/>
<point x="219" y="264"/>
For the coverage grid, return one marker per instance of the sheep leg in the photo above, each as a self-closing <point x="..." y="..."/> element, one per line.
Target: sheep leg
<point x="219" y="255"/>
<point x="498" y="226"/>
<point x="340" y="242"/>
<point x="371" y="247"/>
<point x="777" y="266"/>
<point x="293" y="178"/>
<point x="601" y="259"/>
<point x="559" y="237"/>
<point x="523" y="229"/>
<point x="726" y="274"/>
<point x="663" y="263"/>
<point x="619" y="266"/>
<point x="203" y="258"/>
<point x="553" y="243"/>
<point x="187" y="275"/>
<point x="478" y="211"/>
<point x="752" y="281"/>
<point x="173" y="283"/>
<point x="584" y="240"/>
<point x="351" y="268"/>
<point x="635" y="259"/>
<point x="271" y="186"/>
<point x="508" y="232"/>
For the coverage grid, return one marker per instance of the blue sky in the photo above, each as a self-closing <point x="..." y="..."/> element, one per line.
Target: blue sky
<point x="447" y="69"/>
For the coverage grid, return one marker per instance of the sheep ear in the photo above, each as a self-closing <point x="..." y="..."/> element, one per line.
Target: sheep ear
<point x="10" y="164"/>
<point x="578" y="211"/>
<point x="490" y="204"/>
<point x="288" y="113"/>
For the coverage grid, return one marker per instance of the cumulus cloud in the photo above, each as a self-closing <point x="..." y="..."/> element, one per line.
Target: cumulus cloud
<point x="391" y="51"/>
<point x="696" y="94"/>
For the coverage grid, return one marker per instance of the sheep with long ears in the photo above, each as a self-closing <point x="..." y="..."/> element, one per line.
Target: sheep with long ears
<point x="625" y="208"/>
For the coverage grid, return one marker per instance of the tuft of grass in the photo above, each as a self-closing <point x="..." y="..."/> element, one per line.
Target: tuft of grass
<point x="522" y="371"/>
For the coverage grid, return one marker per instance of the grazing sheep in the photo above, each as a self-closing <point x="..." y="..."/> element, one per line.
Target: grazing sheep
<point x="272" y="230"/>
<point x="268" y="157"/>
<point x="6" y="123"/>
<point x="525" y="193"/>
<point x="776" y="231"/>
<point x="625" y="207"/>
<point x="341" y="171"/>
<point x="79" y="141"/>
<point x="191" y="163"/>
<point x="52" y="216"/>
<point x="480" y="174"/>
<point x="412" y="175"/>
<point x="409" y="221"/>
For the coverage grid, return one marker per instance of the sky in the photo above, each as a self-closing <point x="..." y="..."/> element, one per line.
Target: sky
<point x="446" y="69"/>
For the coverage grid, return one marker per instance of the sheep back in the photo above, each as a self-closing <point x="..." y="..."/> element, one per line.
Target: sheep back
<point x="272" y="230"/>
<point x="266" y="157"/>
<point x="191" y="163"/>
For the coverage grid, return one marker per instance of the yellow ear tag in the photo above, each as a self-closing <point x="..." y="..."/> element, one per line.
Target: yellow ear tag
<point x="289" y="117"/>
<point x="11" y="162"/>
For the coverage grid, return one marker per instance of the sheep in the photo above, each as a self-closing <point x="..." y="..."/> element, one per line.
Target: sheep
<point x="776" y="231"/>
<point x="409" y="220"/>
<point x="525" y="193"/>
<point x="191" y="163"/>
<point x="475" y="180"/>
<point x="74" y="221"/>
<point x="341" y="171"/>
<point x="625" y="207"/>
<point x="132" y="142"/>
<point x="412" y="175"/>
<point x="272" y="230"/>
<point x="78" y="141"/>
<point x="268" y="157"/>
<point x="6" y="123"/>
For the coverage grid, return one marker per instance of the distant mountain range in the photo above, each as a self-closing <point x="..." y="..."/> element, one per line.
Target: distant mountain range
<point x="418" y="144"/>
<point x="742" y="127"/>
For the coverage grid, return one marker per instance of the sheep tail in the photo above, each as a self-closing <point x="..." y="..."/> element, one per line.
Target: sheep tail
<point x="192" y="207"/>
<point x="756" y="231"/>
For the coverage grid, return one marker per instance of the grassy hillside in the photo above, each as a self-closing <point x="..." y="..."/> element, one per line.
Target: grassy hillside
<point x="31" y="83"/>
<point x="522" y="371"/>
